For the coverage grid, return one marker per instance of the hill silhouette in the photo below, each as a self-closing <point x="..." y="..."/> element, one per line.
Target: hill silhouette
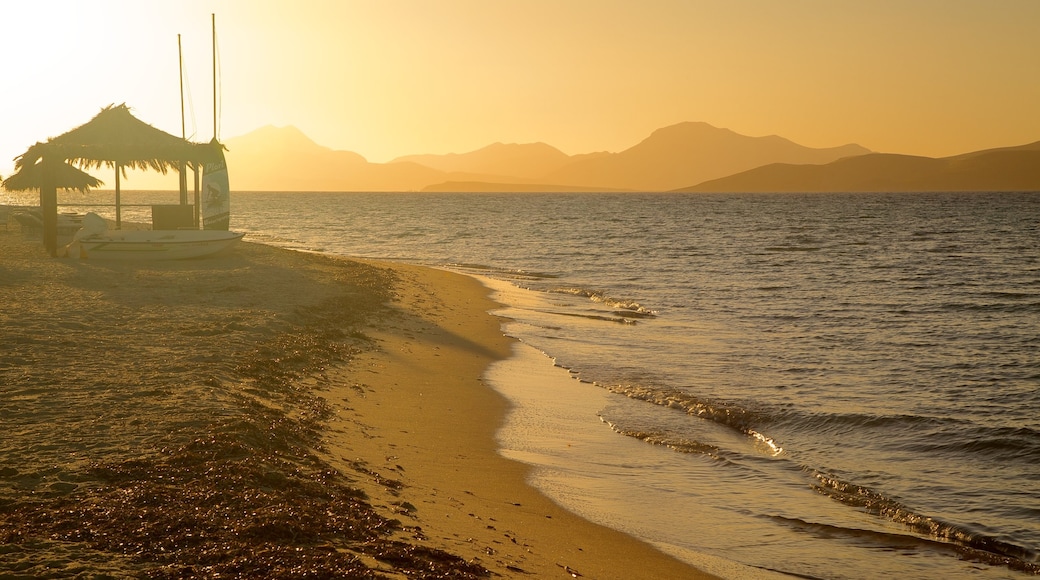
<point x="683" y="157"/>
<point x="1004" y="169"/>
<point x="284" y="159"/>
<point x="687" y="153"/>
<point x="529" y="161"/>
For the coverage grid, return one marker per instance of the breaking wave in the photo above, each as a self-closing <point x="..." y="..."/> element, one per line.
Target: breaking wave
<point x="968" y="544"/>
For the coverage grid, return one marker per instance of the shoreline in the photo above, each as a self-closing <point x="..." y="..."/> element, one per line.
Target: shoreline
<point x="474" y="501"/>
<point x="267" y="375"/>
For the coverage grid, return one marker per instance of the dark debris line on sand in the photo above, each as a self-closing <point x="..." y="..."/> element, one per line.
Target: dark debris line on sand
<point x="246" y="494"/>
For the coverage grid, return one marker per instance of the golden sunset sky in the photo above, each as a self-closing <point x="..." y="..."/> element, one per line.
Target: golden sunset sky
<point x="386" y="78"/>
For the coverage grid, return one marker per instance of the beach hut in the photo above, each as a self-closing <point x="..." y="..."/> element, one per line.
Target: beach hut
<point x="113" y="138"/>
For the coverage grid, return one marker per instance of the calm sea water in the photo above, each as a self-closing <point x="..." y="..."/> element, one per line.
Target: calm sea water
<point x="824" y="385"/>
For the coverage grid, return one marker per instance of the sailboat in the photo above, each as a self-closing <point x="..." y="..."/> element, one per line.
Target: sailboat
<point x="95" y="241"/>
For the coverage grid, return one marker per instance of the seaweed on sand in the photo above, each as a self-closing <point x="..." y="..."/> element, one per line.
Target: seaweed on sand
<point x="245" y="493"/>
<point x="217" y="507"/>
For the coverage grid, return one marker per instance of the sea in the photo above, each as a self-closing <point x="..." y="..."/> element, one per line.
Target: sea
<point x="826" y="385"/>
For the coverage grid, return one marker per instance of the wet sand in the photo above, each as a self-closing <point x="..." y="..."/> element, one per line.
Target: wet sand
<point x="267" y="413"/>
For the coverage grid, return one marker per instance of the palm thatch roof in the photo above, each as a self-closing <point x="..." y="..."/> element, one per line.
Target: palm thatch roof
<point x="65" y="177"/>
<point x="115" y="138"/>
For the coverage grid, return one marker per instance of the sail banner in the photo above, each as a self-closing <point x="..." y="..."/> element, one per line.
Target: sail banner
<point x="216" y="194"/>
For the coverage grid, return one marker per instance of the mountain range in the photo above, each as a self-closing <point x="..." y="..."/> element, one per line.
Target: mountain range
<point x="1004" y="169"/>
<point x="688" y="156"/>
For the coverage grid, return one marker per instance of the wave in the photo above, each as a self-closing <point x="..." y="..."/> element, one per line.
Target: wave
<point x="921" y="435"/>
<point x="1011" y="306"/>
<point x="904" y="541"/>
<point x="629" y="308"/>
<point x="793" y="248"/>
<point x="729" y="415"/>
<point x="1008" y="295"/>
<point x="1017" y="444"/>
<point x="926" y="435"/>
<point x="975" y="440"/>
<point x="952" y="432"/>
<point x="975" y="546"/>
<point x="680" y="444"/>
<point x="514" y="274"/>
<point x="621" y="319"/>
<point x="831" y="423"/>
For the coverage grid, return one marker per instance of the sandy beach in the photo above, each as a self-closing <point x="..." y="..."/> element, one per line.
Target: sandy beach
<point x="267" y="413"/>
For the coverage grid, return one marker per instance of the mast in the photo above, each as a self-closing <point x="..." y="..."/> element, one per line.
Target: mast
<point x="213" y="19"/>
<point x="216" y="214"/>
<point x="180" y="68"/>
<point x="181" y="166"/>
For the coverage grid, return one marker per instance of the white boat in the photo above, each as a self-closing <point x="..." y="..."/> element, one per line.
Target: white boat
<point x="154" y="244"/>
<point x="94" y="241"/>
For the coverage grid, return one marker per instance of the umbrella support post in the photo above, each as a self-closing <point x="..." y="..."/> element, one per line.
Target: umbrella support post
<point x="119" y="213"/>
<point x="49" y="207"/>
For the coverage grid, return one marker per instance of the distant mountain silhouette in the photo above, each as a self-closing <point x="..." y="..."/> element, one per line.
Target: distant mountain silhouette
<point x="1004" y="169"/>
<point x="284" y="159"/>
<point x="688" y="153"/>
<point x="287" y="143"/>
<point x="506" y="187"/>
<point x="527" y="161"/>
<point x="686" y="157"/>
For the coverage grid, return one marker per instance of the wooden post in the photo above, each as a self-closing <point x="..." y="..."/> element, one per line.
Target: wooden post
<point x="49" y="203"/>
<point x="119" y="214"/>
<point x="181" y="169"/>
<point x="198" y="193"/>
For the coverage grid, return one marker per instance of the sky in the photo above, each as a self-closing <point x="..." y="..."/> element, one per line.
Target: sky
<point x="386" y="78"/>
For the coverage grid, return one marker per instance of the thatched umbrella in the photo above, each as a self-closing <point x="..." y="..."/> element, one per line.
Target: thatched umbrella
<point x="66" y="177"/>
<point x="113" y="138"/>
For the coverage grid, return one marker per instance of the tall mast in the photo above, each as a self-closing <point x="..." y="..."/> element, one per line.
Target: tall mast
<point x="181" y="166"/>
<point x="213" y="18"/>
<point x="180" y="68"/>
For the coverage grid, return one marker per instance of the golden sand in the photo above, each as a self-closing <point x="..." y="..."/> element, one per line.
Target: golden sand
<point x="267" y="413"/>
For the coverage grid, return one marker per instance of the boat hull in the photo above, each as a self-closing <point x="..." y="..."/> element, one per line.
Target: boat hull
<point x="156" y="244"/>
